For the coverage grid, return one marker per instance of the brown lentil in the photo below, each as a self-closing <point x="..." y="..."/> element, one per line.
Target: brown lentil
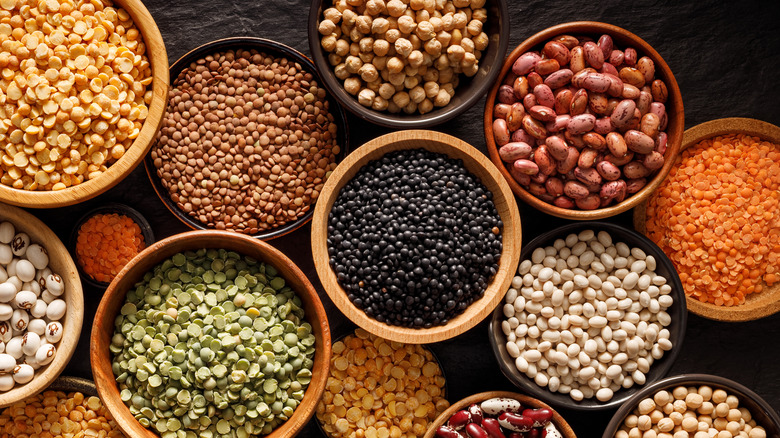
<point x="55" y="414"/>
<point x="247" y="142"/>
<point x="380" y="389"/>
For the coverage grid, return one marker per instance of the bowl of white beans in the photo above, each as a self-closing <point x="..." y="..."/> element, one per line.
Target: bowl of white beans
<point x="695" y="405"/>
<point x="594" y="312"/>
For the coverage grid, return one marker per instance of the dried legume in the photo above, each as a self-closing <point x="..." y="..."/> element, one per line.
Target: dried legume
<point x="211" y="343"/>
<point x="378" y="388"/>
<point x="715" y="216"/>
<point x="247" y="143"/>
<point x="105" y="243"/>
<point x="74" y="83"/>
<point x="414" y="238"/>
<point x="55" y="414"/>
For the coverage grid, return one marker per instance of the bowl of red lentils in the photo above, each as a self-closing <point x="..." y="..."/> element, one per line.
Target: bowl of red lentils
<point x="105" y="239"/>
<point x="249" y="138"/>
<point x="716" y="217"/>
<point x="84" y="102"/>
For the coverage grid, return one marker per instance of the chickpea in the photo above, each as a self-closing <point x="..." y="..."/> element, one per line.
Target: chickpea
<point x="368" y="73"/>
<point x="442" y="98"/>
<point x="395" y="8"/>
<point x="417" y="4"/>
<point x="348" y="17"/>
<point x="444" y="38"/>
<point x="396" y="78"/>
<point x="477" y="4"/>
<point x="401" y="99"/>
<point x="406" y="24"/>
<point x="380" y="26"/>
<point x="460" y="3"/>
<point x="474" y="27"/>
<point x="449" y="88"/>
<point x="460" y="19"/>
<point x="386" y="90"/>
<point x="395" y="65"/>
<point x="329" y="43"/>
<point x="421" y="16"/>
<point x="380" y="62"/>
<point x="410" y="71"/>
<point x="456" y="37"/>
<point x="326" y="27"/>
<point x="363" y="24"/>
<point x="411" y="108"/>
<point x="353" y="64"/>
<point x="342" y="47"/>
<point x="415" y="58"/>
<point x="366" y="44"/>
<point x="334" y="59"/>
<point x="454" y="53"/>
<point x="393" y="108"/>
<point x="352" y="85"/>
<point x="355" y="3"/>
<point x="403" y="47"/>
<point x="366" y="57"/>
<point x="366" y="97"/>
<point x="381" y="47"/>
<point x="379" y="104"/>
<point x="481" y="41"/>
<point x="480" y="15"/>
<point x="441" y="63"/>
<point x="392" y="35"/>
<point x="433" y="47"/>
<point x="467" y="44"/>
<point x="431" y="89"/>
<point x="375" y="7"/>
<point x="425" y="31"/>
<point x="355" y="35"/>
<point x="416" y="42"/>
<point x="332" y="14"/>
<point x="425" y="106"/>
<point x="417" y="94"/>
<point x="432" y="75"/>
<point x="411" y="82"/>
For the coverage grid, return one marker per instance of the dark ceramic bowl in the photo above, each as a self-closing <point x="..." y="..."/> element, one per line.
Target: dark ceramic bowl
<point x="113" y="207"/>
<point x="760" y="410"/>
<point x="272" y="48"/>
<point x="469" y="90"/>
<point x="677" y="311"/>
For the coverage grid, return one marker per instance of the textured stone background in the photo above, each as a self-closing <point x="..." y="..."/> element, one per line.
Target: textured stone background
<point x="725" y="56"/>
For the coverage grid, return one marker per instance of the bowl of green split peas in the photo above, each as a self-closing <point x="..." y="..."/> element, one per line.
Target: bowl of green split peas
<point x="210" y="333"/>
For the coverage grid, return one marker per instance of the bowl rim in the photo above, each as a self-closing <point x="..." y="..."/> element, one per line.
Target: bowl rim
<point x="73" y="320"/>
<point x="403" y="121"/>
<point x="688" y="380"/>
<point x="260" y="44"/>
<point x="100" y="356"/>
<point x="691" y="137"/>
<point x="661" y="367"/>
<point x="511" y="236"/>
<point x="112" y="207"/>
<point x="674" y="130"/>
<point x="158" y="59"/>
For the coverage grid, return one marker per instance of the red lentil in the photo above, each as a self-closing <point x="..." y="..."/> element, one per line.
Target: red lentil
<point x="105" y="244"/>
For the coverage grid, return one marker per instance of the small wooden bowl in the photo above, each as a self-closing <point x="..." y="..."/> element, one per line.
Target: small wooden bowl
<point x="657" y="370"/>
<point x="478" y="165"/>
<point x="272" y="48"/>
<point x="526" y="401"/>
<point x="61" y="263"/>
<point x="468" y="92"/>
<point x="622" y="39"/>
<point x="760" y="410"/>
<point x="114" y="298"/>
<point x="756" y="305"/>
<point x="158" y="58"/>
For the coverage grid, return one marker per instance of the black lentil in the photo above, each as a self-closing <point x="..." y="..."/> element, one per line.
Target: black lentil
<point x="414" y="238"/>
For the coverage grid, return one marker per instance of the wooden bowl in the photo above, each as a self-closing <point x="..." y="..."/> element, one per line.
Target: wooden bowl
<point x="468" y="92"/>
<point x="61" y="263"/>
<point x="756" y="305"/>
<point x="114" y="298"/>
<point x="526" y="401"/>
<point x="674" y="109"/>
<point x="657" y="370"/>
<point x="760" y="410"/>
<point x="477" y="164"/>
<point x="158" y="58"/>
<point x="272" y="48"/>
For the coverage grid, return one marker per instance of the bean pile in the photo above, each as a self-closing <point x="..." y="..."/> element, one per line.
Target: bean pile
<point x="500" y="417"/>
<point x="380" y="389"/>
<point x="586" y="316"/>
<point x="716" y="217"/>
<point x="247" y="142"/>
<point x="105" y="243"/>
<point x="581" y="124"/>
<point x="74" y="84"/>
<point x="55" y="414"/>
<point x="414" y="238"/>
<point x="211" y="343"/>
<point x="693" y="412"/>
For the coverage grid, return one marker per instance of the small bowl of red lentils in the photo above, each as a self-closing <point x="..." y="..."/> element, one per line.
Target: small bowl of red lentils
<point x="105" y="239"/>
<point x="717" y="217"/>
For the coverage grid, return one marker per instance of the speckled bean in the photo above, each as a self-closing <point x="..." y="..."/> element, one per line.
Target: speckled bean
<point x="557" y="147"/>
<point x="575" y="190"/>
<point x="593" y="54"/>
<point x="514" y="119"/>
<point x="500" y="132"/>
<point x="608" y="171"/>
<point x="525" y="63"/>
<point x="559" y="78"/>
<point x="513" y="151"/>
<point x="581" y="124"/>
<point x="520" y="87"/>
<point x="639" y="142"/>
<point x="542" y="113"/>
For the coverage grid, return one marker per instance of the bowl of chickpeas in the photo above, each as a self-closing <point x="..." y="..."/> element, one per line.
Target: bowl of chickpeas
<point x="84" y="101"/>
<point x="408" y="64"/>
<point x="695" y="405"/>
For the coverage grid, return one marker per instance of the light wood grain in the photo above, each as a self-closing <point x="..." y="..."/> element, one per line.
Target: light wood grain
<point x="527" y="402"/>
<point x="60" y="263"/>
<point x="158" y="58"/>
<point x="756" y="305"/>
<point x="477" y="164"/>
<point x="674" y="109"/>
<point x="114" y="297"/>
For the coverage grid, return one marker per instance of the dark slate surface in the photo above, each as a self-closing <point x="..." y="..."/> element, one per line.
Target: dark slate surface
<point x="726" y="59"/>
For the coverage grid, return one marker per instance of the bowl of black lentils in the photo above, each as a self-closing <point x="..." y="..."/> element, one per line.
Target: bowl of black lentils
<point x="416" y="236"/>
<point x="249" y="138"/>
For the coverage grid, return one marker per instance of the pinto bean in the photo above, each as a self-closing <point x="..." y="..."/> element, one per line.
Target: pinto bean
<point x="575" y="190"/>
<point x="594" y="140"/>
<point x="506" y="95"/>
<point x="639" y="142"/>
<point x="582" y="123"/>
<point x="616" y="58"/>
<point x="629" y="56"/>
<point x="542" y="113"/>
<point x="537" y="189"/>
<point x="544" y="160"/>
<point x="596" y="82"/>
<point x="647" y="67"/>
<point x="613" y="190"/>
<point x="529" y="101"/>
<point x="577" y="60"/>
<point x="527" y="167"/>
<point x="620" y="161"/>
<point x="659" y="91"/>
<point x="579" y="102"/>
<point x="615" y="85"/>
<point x="557" y="147"/>
<point x="546" y="66"/>
<point x="587" y="175"/>
<point x="567" y="40"/>
<point x="514" y="151"/>
<point x="603" y="126"/>
<point x="514" y="120"/>
<point x="574" y="139"/>
<point x="539" y="178"/>
<point x="534" y="79"/>
<point x="554" y="186"/>
<point x="520" y="87"/>
<point x="577" y="78"/>
<point x="563" y="100"/>
<point x="559" y="78"/>
<point x="544" y="95"/>
<point x="569" y="163"/>
<point x="558" y="51"/>
<point x="525" y="63"/>
<point x="598" y="103"/>
<point x="635" y="185"/>
<point x="630" y="92"/>
<point x="558" y="124"/>
<point x="605" y="44"/>
<point x="564" y="202"/>
<point x="643" y="102"/>
<point x="634" y="170"/>
<point x="590" y="202"/>
<point x="660" y="143"/>
<point x="593" y="55"/>
<point x="521" y="178"/>
<point x="650" y="124"/>
<point x="608" y="171"/>
<point x="623" y="113"/>
<point x="500" y="132"/>
<point x="587" y="158"/>
<point x="501" y="110"/>
<point x="521" y="135"/>
<point x="534" y="127"/>
<point x="616" y="144"/>
<point x="610" y="69"/>
<point x="653" y="161"/>
<point x="632" y="76"/>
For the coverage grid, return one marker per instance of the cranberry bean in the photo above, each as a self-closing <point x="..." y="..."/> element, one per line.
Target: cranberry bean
<point x="620" y="161"/>
<point x="634" y="170"/>
<point x="632" y="76"/>
<point x="581" y="123"/>
<point x="650" y="124"/>
<point x="515" y="422"/>
<point x="567" y="40"/>
<point x="635" y="185"/>
<point x="476" y="412"/>
<point x="629" y="56"/>
<point x="613" y="190"/>
<point x="493" y="428"/>
<point x="569" y="163"/>
<point x="529" y="101"/>
<point x="577" y="78"/>
<point x="527" y="167"/>
<point x="577" y="62"/>
<point x="520" y="177"/>
<point x="647" y="67"/>
<point x="459" y="419"/>
<point x="608" y="171"/>
<point x="630" y="92"/>
<point x="554" y="186"/>
<point x="559" y="78"/>
<point x="594" y="141"/>
<point x="534" y="127"/>
<point x="546" y="66"/>
<point x="639" y="142"/>
<point x="534" y="79"/>
<point x="615" y="85"/>
<point x="610" y="69"/>
<point x="513" y="151"/>
<point x="653" y="161"/>
<point x="473" y="430"/>
<point x="520" y="87"/>
<point x="574" y="139"/>
<point x="587" y="158"/>
<point x="560" y="122"/>
<point x="596" y="82"/>
<point x="557" y="51"/>
<point x="616" y="58"/>
<point x="643" y="102"/>
<point x="542" y="113"/>
<point x="540" y="416"/>
<point x="593" y="55"/>
<point x="588" y="176"/>
<point x="500" y="132"/>
<point x="564" y="202"/>
<point x="501" y="110"/>
<point x="659" y="109"/>
<point x="603" y="125"/>
<point x="506" y="95"/>
<point x="623" y="113"/>
<point x="598" y="103"/>
<point x="563" y="100"/>
<point x="514" y="120"/>
<point x="575" y="190"/>
<point x="605" y="44"/>
<point x="659" y="91"/>
<point x="616" y="144"/>
<point x="557" y="147"/>
<point x="660" y="143"/>
<point x="499" y="405"/>
<point x="525" y="63"/>
<point x="521" y="135"/>
<point x="589" y="202"/>
<point x="447" y="432"/>
<point x="544" y="95"/>
<point x="543" y="159"/>
<point x="579" y="102"/>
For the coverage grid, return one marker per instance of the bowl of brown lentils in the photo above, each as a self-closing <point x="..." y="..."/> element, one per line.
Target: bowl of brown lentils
<point x="411" y="63"/>
<point x="248" y="140"/>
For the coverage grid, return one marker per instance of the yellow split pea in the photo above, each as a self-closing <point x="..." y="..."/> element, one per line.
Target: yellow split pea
<point x="380" y="389"/>
<point x="73" y="90"/>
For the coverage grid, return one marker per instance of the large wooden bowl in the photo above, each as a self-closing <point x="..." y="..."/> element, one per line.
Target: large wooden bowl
<point x="158" y="58"/>
<point x="114" y="298"/>
<point x="526" y="401"/>
<point x="756" y="305"/>
<point x="61" y="263"/>
<point x="622" y="39"/>
<point x="477" y="164"/>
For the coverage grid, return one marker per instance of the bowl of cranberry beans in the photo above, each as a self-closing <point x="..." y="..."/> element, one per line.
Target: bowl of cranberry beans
<point x="500" y="414"/>
<point x="585" y="121"/>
